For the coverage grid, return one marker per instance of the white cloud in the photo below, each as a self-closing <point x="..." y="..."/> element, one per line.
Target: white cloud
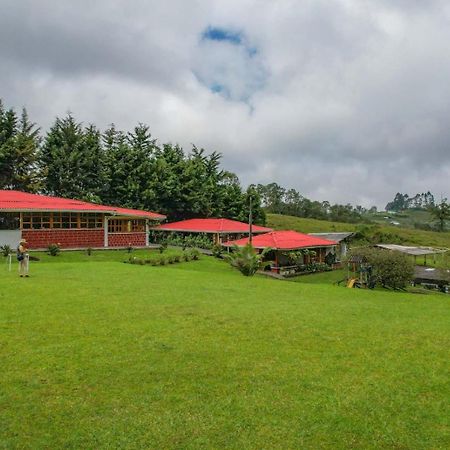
<point x="344" y="100"/>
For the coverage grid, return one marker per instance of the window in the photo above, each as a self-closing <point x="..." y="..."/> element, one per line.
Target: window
<point x="9" y="221"/>
<point x="47" y="220"/>
<point x="126" y="225"/>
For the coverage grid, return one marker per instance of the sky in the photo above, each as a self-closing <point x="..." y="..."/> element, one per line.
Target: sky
<point x="343" y="100"/>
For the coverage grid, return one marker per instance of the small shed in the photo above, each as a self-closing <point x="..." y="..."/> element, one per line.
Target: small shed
<point x="342" y="239"/>
<point x="432" y="277"/>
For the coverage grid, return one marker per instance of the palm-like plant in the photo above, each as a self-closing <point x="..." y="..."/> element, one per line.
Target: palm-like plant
<point x="247" y="260"/>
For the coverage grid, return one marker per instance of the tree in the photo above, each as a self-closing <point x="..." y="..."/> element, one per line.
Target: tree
<point x="391" y="269"/>
<point x="8" y="130"/>
<point x="441" y="213"/>
<point x="72" y="160"/>
<point x="247" y="260"/>
<point x="26" y="146"/>
<point x="19" y="143"/>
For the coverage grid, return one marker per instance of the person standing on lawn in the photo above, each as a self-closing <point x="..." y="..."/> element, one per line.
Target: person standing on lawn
<point x="23" y="257"/>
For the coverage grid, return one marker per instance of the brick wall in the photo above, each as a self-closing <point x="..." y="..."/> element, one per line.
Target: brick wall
<point x="83" y="238"/>
<point x="125" y="239"/>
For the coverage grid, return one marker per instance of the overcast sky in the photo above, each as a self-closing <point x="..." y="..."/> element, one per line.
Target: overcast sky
<point x="343" y="100"/>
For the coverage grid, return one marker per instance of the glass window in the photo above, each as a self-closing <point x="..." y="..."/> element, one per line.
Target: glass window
<point x="74" y="220"/>
<point x="9" y="221"/>
<point x="83" y="220"/>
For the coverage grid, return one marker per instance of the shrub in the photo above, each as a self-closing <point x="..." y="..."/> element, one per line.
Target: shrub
<point x="6" y="250"/>
<point x="162" y="260"/>
<point x="177" y="258"/>
<point x="195" y="254"/>
<point x="53" y="249"/>
<point x="389" y="268"/>
<point x="163" y="246"/>
<point x="89" y="251"/>
<point x="247" y="260"/>
<point x="217" y="250"/>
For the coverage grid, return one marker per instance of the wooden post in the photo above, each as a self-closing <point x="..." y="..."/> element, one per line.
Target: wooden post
<point x="105" y="231"/>
<point x="250" y="221"/>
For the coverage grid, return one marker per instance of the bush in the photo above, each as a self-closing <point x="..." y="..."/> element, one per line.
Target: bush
<point x="53" y="249"/>
<point x="247" y="260"/>
<point x="89" y="251"/>
<point x="6" y="250"/>
<point x="163" y="246"/>
<point x="217" y="250"/>
<point x="389" y="268"/>
<point x="162" y="260"/>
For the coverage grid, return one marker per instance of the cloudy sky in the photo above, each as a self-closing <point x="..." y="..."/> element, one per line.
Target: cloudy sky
<point x="344" y="100"/>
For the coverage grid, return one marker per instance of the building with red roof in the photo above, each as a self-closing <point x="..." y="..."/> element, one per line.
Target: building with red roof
<point x="308" y="248"/>
<point x="219" y="229"/>
<point x="43" y="220"/>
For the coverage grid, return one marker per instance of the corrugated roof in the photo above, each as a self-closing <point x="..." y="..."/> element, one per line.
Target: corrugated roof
<point x="23" y="202"/>
<point x="338" y="237"/>
<point x="211" y="226"/>
<point x="283" y="240"/>
<point x="409" y="250"/>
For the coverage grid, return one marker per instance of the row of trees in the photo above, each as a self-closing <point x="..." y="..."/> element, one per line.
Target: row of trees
<point x="122" y="168"/>
<point x="279" y="200"/>
<point x="424" y="201"/>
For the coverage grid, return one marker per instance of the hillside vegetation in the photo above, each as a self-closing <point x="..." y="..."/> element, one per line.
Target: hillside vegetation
<point x="386" y="233"/>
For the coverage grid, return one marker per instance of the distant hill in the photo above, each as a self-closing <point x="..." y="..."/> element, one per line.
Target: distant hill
<point x="379" y="232"/>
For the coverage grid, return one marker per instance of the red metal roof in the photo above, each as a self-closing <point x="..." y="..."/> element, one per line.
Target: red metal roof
<point x="24" y="202"/>
<point x="211" y="226"/>
<point x="283" y="240"/>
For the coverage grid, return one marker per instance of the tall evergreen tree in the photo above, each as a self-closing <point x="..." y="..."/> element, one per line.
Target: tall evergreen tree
<point x="72" y="160"/>
<point x="26" y="175"/>
<point x="8" y="130"/>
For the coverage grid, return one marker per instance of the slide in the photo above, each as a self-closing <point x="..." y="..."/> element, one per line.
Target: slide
<point x="351" y="282"/>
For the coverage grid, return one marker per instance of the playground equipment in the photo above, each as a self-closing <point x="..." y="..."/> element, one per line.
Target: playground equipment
<point x="361" y="273"/>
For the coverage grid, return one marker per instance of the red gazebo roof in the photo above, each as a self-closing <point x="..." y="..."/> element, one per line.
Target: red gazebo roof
<point x="283" y="240"/>
<point x="18" y="201"/>
<point x="211" y="226"/>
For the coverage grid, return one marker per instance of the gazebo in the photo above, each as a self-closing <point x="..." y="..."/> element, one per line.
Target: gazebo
<point x="414" y="251"/>
<point x="289" y="245"/>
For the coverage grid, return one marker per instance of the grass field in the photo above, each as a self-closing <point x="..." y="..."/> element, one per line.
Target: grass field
<point x="99" y="354"/>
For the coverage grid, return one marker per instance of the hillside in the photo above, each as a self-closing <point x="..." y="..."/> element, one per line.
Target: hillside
<point x="389" y="234"/>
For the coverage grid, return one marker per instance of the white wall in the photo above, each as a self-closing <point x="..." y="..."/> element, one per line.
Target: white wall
<point x="10" y="237"/>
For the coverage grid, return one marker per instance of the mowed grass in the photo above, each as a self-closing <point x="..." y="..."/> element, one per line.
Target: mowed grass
<point x="100" y="354"/>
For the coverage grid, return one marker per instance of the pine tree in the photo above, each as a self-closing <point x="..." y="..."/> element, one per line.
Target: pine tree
<point x="26" y="146"/>
<point x="8" y="130"/>
<point x="72" y="160"/>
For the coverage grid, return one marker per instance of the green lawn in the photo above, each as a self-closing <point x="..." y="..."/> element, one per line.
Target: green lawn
<point x="99" y="354"/>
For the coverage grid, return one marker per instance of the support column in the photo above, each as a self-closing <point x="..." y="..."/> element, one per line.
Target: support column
<point x="147" y="231"/>
<point x="105" y="231"/>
